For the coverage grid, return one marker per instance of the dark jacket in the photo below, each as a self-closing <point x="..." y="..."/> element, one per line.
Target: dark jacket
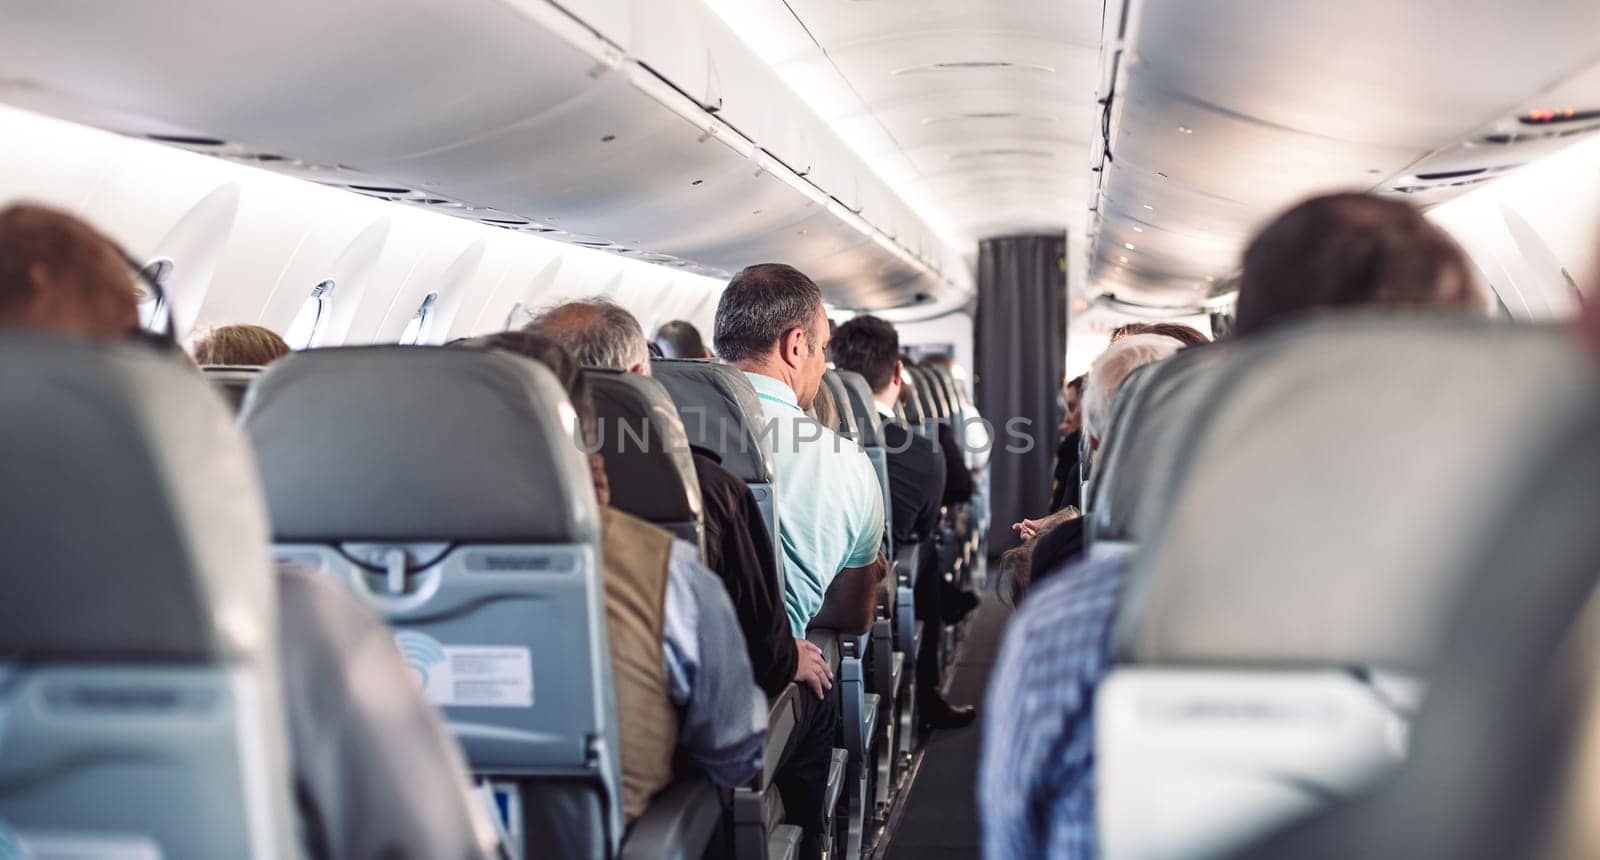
<point x="916" y="483"/>
<point x="1065" y="481"/>
<point x="739" y="550"/>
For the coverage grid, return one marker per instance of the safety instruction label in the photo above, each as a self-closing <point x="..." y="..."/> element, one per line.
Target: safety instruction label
<point x="476" y="676"/>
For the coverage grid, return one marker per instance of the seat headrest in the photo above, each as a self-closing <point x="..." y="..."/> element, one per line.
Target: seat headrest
<point x="1138" y="461"/>
<point x="1328" y="490"/>
<point x="846" y="425"/>
<point x="932" y="398"/>
<point x="914" y="407"/>
<point x="720" y="412"/>
<point x="947" y="386"/>
<point x="231" y="381"/>
<point x="648" y="463"/>
<point x="134" y="527"/>
<point x="418" y="444"/>
<point x="858" y="399"/>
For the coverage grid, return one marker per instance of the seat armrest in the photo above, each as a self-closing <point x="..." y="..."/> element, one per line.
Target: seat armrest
<point x="828" y="641"/>
<point x="678" y="824"/>
<point x="781" y="720"/>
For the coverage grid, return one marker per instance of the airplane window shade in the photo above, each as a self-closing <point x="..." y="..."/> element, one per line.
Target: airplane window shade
<point x="309" y="319"/>
<point x="417" y="330"/>
<point x="154" y="309"/>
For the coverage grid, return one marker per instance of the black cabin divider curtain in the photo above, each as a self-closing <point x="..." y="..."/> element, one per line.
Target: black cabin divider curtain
<point x="1021" y="345"/>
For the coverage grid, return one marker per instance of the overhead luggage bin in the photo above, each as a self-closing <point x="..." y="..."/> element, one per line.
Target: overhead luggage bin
<point x="593" y="129"/>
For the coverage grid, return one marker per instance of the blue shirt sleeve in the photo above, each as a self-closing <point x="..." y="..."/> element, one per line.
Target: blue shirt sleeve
<point x="724" y="714"/>
<point x="1036" y="773"/>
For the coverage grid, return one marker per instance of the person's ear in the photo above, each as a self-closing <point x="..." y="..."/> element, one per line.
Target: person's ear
<point x="793" y="346"/>
<point x="643" y="369"/>
<point x="898" y="367"/>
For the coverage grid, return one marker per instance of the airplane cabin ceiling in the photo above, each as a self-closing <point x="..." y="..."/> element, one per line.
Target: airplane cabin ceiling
<point x="979" y="113"/>
<point x="1222" y="113"/>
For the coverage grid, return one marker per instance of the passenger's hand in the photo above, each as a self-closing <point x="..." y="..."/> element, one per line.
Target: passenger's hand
<point x="812" y="670"/>
<point x="1028" y="529"/>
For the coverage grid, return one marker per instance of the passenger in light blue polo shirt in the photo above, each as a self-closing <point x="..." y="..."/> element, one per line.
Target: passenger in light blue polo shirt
<point x="771" y="324"/>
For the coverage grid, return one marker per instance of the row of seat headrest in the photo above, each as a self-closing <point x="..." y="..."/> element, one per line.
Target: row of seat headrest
<point x="415" y="444"/>
<point x="361" y="444"/>
<point x="1313" y="496"/>
<point x="133" y="523"/>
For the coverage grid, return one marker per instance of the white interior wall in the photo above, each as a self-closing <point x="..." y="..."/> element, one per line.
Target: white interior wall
<point x="1522" y="230"/>
<point x="274" y="237"/>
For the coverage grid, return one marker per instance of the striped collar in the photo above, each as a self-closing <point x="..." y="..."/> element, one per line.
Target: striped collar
<point x="772" y="390"/>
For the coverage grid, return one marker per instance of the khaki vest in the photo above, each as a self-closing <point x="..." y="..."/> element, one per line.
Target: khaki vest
<point x="635" y="554"/>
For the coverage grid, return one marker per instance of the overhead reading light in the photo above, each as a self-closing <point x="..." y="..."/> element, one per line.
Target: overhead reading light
<point x="1557" y="116"/>
<point x="1128" y="245"/>
<point x="970" y="66"/>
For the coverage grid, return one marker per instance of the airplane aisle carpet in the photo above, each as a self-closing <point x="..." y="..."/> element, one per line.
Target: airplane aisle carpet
<point x="940" y="819"/>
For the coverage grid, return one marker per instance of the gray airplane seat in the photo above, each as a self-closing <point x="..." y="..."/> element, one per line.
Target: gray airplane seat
<point x="721" y="413"/>
<point x="919" y="407"/>
<point x="1503" y="763"/>
<point x="848" y="424"/>
<point x="1151" y="419"/>
<point x="231" y="381"/>
<point x="1276" y="631"/>
<point x="648" y="464"/>
<point x="141" y="713"/>
<point x="443" y="488"/>
<point x="892" y="673"/>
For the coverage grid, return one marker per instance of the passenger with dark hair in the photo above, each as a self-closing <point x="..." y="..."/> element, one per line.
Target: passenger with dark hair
<point x="737" y="545"/>
<point x="240" y="346"/>
<point x="1037" y="777"/>
<point x="958" y="484"/>
<point x="870" y="346"/>
<point x="1350" y="250"/>
<point x="59" y="275"/>
<point x="771" y="325"/>
<point x="1065" y="478"/>
<point x="678" y="660"/>
<point x="1186" y="335"/>
<point x="680" y="339"/>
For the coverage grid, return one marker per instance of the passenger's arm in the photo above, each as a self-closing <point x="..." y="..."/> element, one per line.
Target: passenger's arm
<point x="746" y="545"/>
<point x="724" y="725"/>
<point x="376" y="773"/>
<point x="852" y="598"/>
<point x="848" y="604"/>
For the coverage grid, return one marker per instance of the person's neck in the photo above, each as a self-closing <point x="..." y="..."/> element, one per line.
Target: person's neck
<point x="886" y="398"/>
<point x="766" y="366"/>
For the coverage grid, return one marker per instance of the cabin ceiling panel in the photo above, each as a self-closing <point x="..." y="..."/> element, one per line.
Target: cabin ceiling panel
<point x="1224" y="113"/>
<point x="932" y="89"/>
<point x="1411" y="73"/>
<point x="507" y="113"/>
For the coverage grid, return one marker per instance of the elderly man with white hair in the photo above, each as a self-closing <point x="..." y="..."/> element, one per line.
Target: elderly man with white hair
<point x="1036" y="777"/>
<point x="1105" y="378"/>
